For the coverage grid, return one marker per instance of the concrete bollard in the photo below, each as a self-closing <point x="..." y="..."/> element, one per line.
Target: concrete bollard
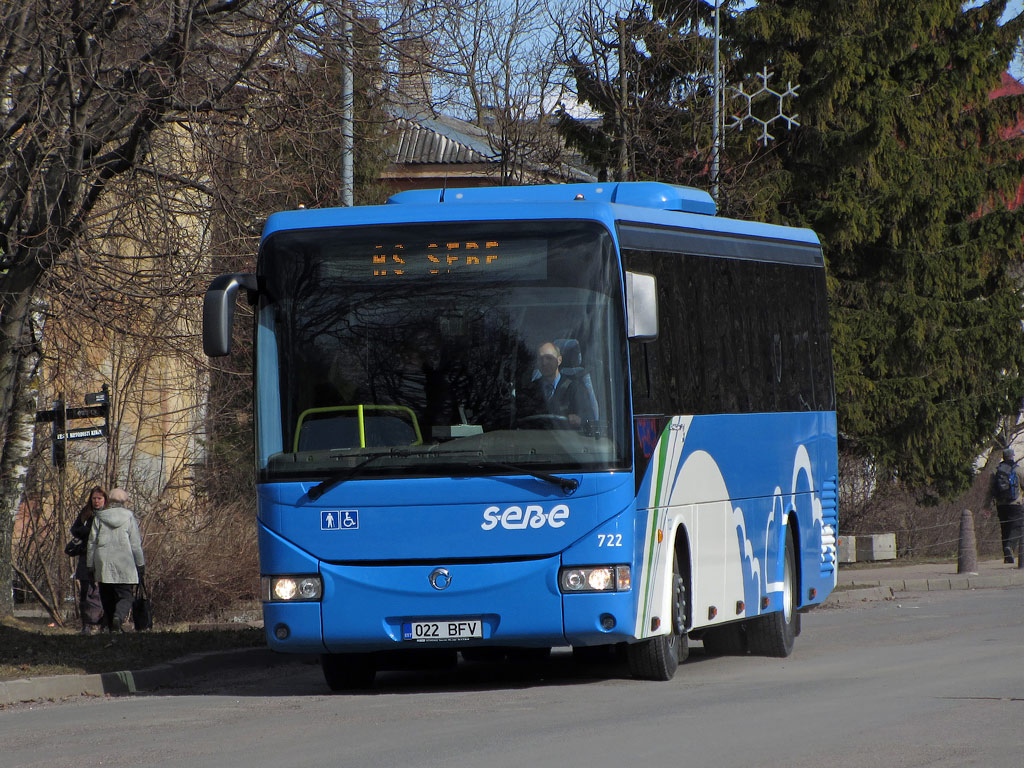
<point x="967" y="557"/>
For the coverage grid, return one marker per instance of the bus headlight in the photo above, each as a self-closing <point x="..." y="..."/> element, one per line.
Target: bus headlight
<point x="595" y="578"/>
<point x="291" y="589"/>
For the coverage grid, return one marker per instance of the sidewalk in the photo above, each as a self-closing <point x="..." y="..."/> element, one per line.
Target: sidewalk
<point x="882" y="580"/>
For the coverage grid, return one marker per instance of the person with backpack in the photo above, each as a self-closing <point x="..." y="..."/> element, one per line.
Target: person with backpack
<point x="1006" y="489"/>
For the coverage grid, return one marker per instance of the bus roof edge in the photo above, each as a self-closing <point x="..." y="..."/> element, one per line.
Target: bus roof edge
<point x="644" y="194"/>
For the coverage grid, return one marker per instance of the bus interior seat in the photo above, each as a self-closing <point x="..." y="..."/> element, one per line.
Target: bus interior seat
<point x="572" y="365"/>
<point x="336" y="430"/>
<point x="341" y="430"/>
<point x="388" y="431"/>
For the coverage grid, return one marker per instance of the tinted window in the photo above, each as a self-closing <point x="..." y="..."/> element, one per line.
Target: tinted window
<point x="736" y="335"/>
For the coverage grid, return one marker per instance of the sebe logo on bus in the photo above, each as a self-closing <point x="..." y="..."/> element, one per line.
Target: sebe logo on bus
<point x="516" y="518"/>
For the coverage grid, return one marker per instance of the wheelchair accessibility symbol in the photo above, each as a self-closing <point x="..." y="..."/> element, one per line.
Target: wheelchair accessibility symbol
<point x="339" y="519"/>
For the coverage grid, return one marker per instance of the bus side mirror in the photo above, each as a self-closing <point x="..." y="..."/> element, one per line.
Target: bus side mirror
<point x="641" y="306"/>
<point x="219" y="311"/>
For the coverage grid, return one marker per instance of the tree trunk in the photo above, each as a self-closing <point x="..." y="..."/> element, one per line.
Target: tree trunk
<point x="20" y="362"/>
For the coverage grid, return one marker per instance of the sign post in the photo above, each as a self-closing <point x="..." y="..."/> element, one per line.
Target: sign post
<point x="58" y="450"/>
<point x="97" y="406"/>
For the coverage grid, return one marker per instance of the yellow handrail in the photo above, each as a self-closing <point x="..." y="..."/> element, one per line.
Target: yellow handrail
<point x="360" y="411"/>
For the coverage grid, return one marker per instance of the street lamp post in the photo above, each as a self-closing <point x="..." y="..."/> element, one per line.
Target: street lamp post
<point x="347" y="100"/>
<point x="716" y="134"/>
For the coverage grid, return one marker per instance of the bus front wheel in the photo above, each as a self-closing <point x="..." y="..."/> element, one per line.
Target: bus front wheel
<point x="348" y="671"/>
<point x="657" y="658"/>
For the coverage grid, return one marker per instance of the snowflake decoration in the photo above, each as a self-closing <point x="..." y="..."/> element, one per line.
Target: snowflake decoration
<point x="763" y="92"/>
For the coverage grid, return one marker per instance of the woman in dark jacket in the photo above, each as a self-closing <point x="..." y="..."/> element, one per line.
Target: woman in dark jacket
<point x="89" y="606"/>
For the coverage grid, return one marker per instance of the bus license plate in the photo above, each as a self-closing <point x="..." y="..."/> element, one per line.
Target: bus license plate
<point x="442" y="629"/>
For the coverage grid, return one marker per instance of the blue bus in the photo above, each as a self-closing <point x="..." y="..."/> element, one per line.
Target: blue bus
<point x="493" y="421"/>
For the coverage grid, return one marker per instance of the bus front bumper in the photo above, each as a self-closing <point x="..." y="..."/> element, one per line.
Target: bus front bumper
<point x="392" y="607"/>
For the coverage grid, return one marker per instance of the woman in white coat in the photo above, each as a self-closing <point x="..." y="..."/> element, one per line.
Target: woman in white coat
<point x="115" y="557"/>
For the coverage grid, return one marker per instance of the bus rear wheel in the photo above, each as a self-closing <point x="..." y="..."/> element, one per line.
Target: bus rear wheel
<point x="775" y="633"/>
<point x="657" y="658"/>
<point x="348" y="671"/>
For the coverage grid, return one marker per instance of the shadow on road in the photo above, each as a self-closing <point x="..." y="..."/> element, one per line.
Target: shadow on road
<point x="302" y="676"/>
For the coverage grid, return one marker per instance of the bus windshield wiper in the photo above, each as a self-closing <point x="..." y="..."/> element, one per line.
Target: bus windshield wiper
<point x="567" y="484"/>
<point x="350" y="473"/>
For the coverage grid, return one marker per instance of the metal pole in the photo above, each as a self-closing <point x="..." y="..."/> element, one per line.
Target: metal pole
<point x="623" y="100"/>
<point x="105" y="389"/>
<point x="347" y="100"/>
<point x="716" y="136"/>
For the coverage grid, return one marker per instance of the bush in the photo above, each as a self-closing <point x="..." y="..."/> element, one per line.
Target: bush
<point x="196" y="568"/>
<point x="925" y="526"/>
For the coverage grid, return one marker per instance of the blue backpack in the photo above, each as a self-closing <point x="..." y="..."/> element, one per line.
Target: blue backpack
<point x="1006" y="483"/>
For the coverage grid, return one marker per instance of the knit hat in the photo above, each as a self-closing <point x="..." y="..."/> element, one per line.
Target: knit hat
<point x="118" y="496"/>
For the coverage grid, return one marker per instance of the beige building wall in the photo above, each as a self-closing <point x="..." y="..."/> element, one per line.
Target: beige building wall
<point x="128" y="314"/>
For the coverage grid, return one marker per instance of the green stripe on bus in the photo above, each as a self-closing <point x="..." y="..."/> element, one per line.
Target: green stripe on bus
<point x="662" y="451"/>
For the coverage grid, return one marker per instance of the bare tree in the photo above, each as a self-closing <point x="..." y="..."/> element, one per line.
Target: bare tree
<point x="493" y="64"/>
<point x="504" y="75"/>
<point x="143" y="145"/>
<point x="85" y="87"/>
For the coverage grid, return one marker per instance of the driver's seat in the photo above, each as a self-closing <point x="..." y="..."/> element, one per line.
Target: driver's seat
<point x="572" y="365"/>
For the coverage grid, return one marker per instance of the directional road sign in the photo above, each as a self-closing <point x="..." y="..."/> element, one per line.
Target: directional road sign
<point x="78" y="434"/>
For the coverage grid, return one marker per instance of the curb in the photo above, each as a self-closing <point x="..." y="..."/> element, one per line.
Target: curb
<point x="128" y="682"/>
<point x="941" y="584"/>
<point x="859" y="589"/>
<point x="843" y="597"/>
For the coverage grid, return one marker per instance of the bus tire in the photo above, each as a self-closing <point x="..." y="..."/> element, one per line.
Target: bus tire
<point x="348" y="671"/>
<point x="727" y="640"/>
<point x="775" y="633"/>
<point x="657" y="658"/>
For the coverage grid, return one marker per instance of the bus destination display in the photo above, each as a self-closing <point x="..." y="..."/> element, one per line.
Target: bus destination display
<point x="484" y="259"/>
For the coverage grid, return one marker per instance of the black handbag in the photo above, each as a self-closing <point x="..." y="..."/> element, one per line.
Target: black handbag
<point x="142" y="608"/>
<point x="74" y="547"/>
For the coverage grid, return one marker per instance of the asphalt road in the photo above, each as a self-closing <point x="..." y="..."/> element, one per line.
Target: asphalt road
<point x="934" y="679"/>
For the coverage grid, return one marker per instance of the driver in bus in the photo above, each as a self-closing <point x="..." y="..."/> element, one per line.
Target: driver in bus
<point x="562" y="397"/>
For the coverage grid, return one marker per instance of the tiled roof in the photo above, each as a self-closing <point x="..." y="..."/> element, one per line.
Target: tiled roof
<point x="424" y="139"/>
<point x="420" y="138"/>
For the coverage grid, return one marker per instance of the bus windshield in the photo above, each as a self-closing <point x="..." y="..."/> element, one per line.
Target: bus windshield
<point x="440" y="349"/>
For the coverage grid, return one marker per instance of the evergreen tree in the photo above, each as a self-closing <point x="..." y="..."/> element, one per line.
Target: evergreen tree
<point x="908" y="171"/>
<point x="902" y="164"/>
<point x="647" y="73"/>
